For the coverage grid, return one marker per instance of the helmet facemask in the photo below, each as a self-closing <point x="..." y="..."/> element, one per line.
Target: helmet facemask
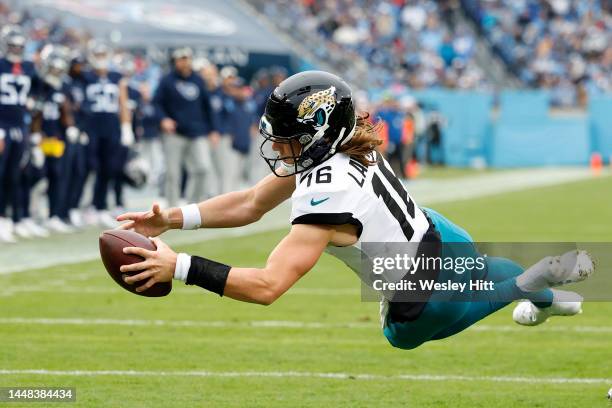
<point x="99" y="56"/>
<point x="54" y="65"/>
<point x="15" y="46"/>
<point x="281" y="166"/>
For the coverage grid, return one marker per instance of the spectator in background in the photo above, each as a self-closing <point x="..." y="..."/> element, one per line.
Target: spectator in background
<point x="394" y="117"/>
<point x="148" y="133"/>
<point x="277" y="75"/>
<point x="262" y="89"/>
<point x="559" y="45"/>
<point x="388" y="41"/>
<point x="241" y="120"/>
<point x="228" y="76"/>
<point x="188" y="126"/>
<point x="211" y="76"/>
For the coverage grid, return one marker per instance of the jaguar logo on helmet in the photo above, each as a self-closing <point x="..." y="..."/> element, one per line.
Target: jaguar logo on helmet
<point x="316" y="108"/>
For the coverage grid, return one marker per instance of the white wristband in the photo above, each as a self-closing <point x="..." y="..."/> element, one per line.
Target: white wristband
<point x="191" y="217"/>
<point x="183" y="263"/>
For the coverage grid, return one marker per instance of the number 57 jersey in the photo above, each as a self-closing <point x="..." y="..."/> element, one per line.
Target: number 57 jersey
<point x="15" y="88"/>
<point x="343" y="191"/>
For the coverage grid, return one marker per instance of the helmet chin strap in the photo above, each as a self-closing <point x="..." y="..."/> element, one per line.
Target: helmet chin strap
<point x="342" y="139"/>
<point x="13" y="57"/>
<point x="288" y="168"/>
<point x="350" y="135"/>
<point x="291" y="168"/>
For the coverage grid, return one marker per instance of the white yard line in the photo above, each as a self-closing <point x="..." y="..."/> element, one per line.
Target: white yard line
<point x="434" y="191"/>
<point x="307" y="374"/>
<point x="272" y="324"/>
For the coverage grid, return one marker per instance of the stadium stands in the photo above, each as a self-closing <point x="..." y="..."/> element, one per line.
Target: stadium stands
<point x="418" y="43"/>
<point x="563" y="45"/>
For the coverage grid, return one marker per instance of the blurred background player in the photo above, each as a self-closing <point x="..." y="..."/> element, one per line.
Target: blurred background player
<point x="218" y="147"/>
<point x="188" y="127"/>
<point x="127" y="66"/>
<point x="78" y="152"/>
<point x="108" y="124"/>
<point x="241" y="121"/>
<point x="393" y="118"/>
<point x="222" y="153"/>
<point x="16" y="80"/>
<point x="53" y="120"/>
<point x="149" y="136"/>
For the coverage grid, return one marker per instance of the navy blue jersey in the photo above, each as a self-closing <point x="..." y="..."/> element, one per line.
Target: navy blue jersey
<point x="187" y="101"/>
<point x="217" y="110"/>
<point x="50" y="101"/>
<point x="16" y="83"/>
<point x="76" y="85"/>
<point x="101" y="104"/>
<point x="134" y="102"/>
<point x="149" y="120"/>
<point x="240" y="116"/>
<point x="261" y="98"/>
<point x="134" y="98"/>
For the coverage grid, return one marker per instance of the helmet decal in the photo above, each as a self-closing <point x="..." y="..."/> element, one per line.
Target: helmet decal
<point x="316" y="108"/>
<point x="266" y="125"/>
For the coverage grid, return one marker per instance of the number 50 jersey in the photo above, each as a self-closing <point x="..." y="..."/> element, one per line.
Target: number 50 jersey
<point x="343" y="191"/>
<point x="101" y="104"/>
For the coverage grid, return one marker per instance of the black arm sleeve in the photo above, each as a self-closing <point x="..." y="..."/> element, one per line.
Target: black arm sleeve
<point x="207" y="274"/>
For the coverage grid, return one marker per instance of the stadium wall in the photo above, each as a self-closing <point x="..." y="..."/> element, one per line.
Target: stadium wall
<point x="522" y="132"/>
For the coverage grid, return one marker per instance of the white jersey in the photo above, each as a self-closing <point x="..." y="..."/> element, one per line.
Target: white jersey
<point x="343" y="191"/>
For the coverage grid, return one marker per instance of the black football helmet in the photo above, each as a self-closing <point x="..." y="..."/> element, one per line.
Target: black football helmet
<point x="314" y="108"/>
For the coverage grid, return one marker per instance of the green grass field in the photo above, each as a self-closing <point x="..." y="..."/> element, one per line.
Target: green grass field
<point x="319" y="327"/>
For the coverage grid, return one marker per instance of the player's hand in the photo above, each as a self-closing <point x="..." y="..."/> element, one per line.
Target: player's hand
<point x="84" y="139"/>
<point x="72" y="134"/>
<point x="1" y="145"/>
<point x="127" y="134"/>
<point x="158" y="265"/>
<point x="38" y="157"/>
<point x="168" y="125"/>
<point x="148" y="223"/>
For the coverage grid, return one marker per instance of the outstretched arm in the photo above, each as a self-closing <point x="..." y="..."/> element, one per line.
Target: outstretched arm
<point x="233" y="209"/>
<point x="295" y="255"/>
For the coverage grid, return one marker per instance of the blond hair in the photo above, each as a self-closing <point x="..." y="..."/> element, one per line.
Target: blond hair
<point x="365" y="140"/>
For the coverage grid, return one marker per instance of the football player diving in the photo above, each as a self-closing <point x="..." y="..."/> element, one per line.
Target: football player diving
<point x="343" y="195"/>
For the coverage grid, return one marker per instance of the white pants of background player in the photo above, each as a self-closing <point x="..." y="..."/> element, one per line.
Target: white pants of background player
<point x="194" y="155"/>
<point x="222" y="161"/>
<point x="237" y="170"/>
<point x="153" y="153"/>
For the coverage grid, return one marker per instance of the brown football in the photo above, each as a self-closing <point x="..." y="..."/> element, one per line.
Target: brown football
<point x="112" y="243"/>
